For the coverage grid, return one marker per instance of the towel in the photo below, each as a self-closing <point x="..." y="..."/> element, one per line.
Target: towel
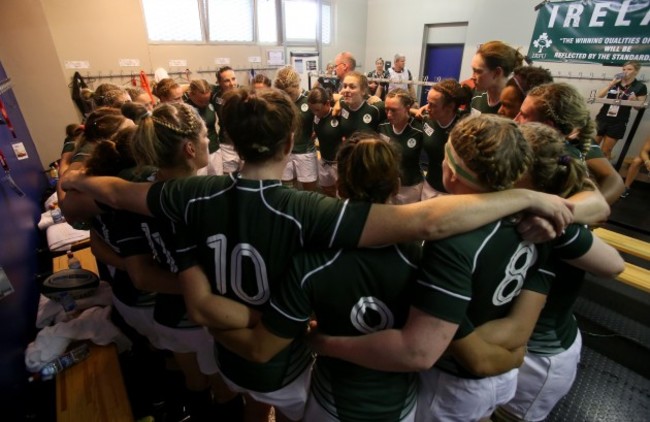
<point x="60" y="237"/>
<point x="92" y="324"/>
<point x="50" y="311"/>
<point x="52" y="200"/>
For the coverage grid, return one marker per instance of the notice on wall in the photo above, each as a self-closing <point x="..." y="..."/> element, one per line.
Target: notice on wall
<point x="598" y="31"/>
<point x="254" y="59"/>
<point x="20" y="150"/>
<point x="178" y="63"/>
<point x="222" y="61"/>
<point x="275" y="58"/>
<point x="129" y="62"/>
<point x="77" y="64"/>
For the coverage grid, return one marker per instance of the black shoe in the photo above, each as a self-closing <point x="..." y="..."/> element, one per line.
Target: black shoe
<point x="626" y="193"/>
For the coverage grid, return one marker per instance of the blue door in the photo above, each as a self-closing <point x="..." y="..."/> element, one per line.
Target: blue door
<point x="442" y="61"/>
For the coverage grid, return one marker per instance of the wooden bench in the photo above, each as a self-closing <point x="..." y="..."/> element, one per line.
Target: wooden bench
<point x="93" y="389"/>
<point x="633" y="275"/>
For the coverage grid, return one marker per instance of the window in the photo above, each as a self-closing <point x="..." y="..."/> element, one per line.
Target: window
<point x="235" y="21"/>
<point x="267" y="21"/>
<point x="172" y="20"/>
<point x="230" y="20"/>
<point x="300" y="21"/>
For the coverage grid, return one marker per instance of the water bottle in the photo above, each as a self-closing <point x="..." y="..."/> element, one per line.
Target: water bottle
<point x="56" y="214"/>
<point x="69" y="305"/>
<point x="64" y="361"/>
<point x="73" y="261"/>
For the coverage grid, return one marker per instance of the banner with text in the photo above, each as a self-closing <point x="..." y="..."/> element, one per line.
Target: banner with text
<point x="592" y="31"/>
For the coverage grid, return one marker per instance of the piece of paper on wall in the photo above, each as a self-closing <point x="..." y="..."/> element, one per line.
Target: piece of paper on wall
<point x="5" y="285"/>
<point x="129" y="62"/>
<point x="77" y="64"/>
<point x="178" y="63"/>
<point x="275" y="58"/>
<point x="254" y="59"/>
<point x="20" y="151"/>
<point x="222" y="61"/>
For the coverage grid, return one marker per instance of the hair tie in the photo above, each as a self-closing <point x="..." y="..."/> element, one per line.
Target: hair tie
<point x="260" y="148"/>
<point x="564" y="160"/>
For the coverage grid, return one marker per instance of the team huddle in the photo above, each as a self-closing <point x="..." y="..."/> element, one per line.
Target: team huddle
<point x="298" y="257"/>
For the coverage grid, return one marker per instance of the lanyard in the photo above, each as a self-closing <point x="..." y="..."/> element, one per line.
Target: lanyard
<point x="7" y="176"/>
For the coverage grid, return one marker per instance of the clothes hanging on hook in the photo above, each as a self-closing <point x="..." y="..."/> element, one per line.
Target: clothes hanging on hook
<point x="84" y="106"/>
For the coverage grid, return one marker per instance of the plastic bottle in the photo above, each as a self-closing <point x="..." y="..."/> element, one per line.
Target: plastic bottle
<point x="69" y="305"/>
<point x="54" y="174"/>
<point x="56" y="214"/>
<point x="73" y="261"/>
<point x="64" y="361"/>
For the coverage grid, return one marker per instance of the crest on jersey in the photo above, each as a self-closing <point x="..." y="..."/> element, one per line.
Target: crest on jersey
<point x="367" y="118"/>
<point x="411" y="143"/>
<point x="304" y="108"/>
<point x="334" y="122"/>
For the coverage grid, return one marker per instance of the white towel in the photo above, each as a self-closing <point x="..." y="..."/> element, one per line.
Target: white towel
<point x="52" y="200"/>
<point x="50" y="311"/>
<point x="92" y="324"/>
<point x="61" y="236"/>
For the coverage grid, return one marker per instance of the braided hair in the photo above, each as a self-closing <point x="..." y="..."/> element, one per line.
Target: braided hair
<point x="161" y="135"/>
<point x="494" y="148"/>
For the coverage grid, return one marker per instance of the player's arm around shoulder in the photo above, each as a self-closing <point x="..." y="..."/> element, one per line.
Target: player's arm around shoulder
<point x="414" y="347"/>
<point x="211" y="310"/>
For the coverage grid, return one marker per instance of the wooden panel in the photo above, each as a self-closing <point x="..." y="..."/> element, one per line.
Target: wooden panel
<point x="624" y="243"/>
<point x="636" y="277"/>
<point x="93" y="389"/>
<point x="86" y="257"/>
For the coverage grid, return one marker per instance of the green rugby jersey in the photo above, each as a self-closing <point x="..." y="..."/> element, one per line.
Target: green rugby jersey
<point x="330" y="137"/>
<point x="209" y="116"/>
<point x="556" y="328"/>
<point x="474" y="275"/>
<point x="434" y="140"/>
<point x="352" y="293"/>
<point x="244" y="233"/>
<point x="364" y="119"/>
<point x="303" y="139"/>
<point x="409" y="142"/>
<point x="138" y="235"/>
<point x="479" y="105"/>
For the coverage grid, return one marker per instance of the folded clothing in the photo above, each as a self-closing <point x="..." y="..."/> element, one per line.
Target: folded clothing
<point x="50" y="312"/>
<point x="92" y="324"/>
<point x="60" y="237"/>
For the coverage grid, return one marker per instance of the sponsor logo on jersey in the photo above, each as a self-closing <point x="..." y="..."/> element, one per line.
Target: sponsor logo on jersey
<point x="411" y="143"/>
<point x="345" y="114"/>
<point x="384" y="137"/>
<point x="304" y="108"/>
<point x="428" y="129"/>
<point x="367" y="118"/>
